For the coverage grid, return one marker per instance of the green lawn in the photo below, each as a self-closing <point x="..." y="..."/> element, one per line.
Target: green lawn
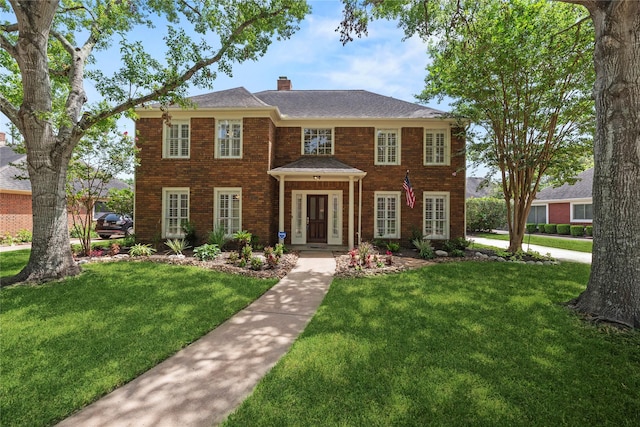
<point x="65" y="344"/>
<point x="455" y="344"/>
<point x="580" y="245"/>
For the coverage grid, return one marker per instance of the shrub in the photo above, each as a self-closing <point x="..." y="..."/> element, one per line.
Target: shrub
<point x="233" y="257"/>
<point x="247" y="253"/>
<point x="393" y="247"/>
<point x="563" y="229"/>
<point x="218" y="237"/>
<point x="141" y="250"/>
<point x="129" y="240"/>
<point x="177" y="246"/>
<point x="279" y="249"/>
<point x="8" y="239"/>
<point x="550" y="228"/>
<point x="424" y="248"/>
<point x="206" y="252"/>
<point x="457" y="244"/>
<point x="114" y="249"/>
<point x="577" y="230"/>
<point x="365" y="252"/>
<point x="531" y="228"/>
<point x="589" y="230"/>
<point x="189" y="230"/>
<point x="486" y="213"/>
<point x="416" y="233"/>
<point x="24" y="236"/>
<point x="256" y="263"/>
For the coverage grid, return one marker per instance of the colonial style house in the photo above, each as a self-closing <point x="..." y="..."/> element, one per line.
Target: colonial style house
<point x="307" y="167"/>
<point x="567" y="204"/>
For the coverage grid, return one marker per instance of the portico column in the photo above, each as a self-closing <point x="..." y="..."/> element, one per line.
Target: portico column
<point x="281" y="208"/>
<point x="351" y="213"/>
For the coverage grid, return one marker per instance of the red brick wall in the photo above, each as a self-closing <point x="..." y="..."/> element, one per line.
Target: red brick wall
<point x="559" y="213"/>
<point x="265" y="145"/>
<point x="202" y="173"/>
<point x="15" y="213"/>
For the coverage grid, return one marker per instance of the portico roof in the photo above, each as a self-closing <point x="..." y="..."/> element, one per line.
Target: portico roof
<point x="316" y="168"/>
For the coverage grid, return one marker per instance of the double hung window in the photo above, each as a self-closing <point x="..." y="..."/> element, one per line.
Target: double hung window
<point x="176" y="140"/>
<point x="436" y="215"/>
<point x="175" y="211"/>
<point x="229" y="139"/>
<point x="387" y="147"/>
<point x="436" y="147"/>
<point x="387" y="215"/>
<point x="228" y="209"/>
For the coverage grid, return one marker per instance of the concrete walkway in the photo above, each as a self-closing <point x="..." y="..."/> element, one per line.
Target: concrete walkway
<point x="203" y="383"/>
<point x="559" y="254"/>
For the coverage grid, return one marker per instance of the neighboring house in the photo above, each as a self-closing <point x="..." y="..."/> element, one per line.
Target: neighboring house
<point x="323" y="167"/>
<point x="478" y="187"/>
<point x="567" y="204"/>
<point x="15" y="192"/>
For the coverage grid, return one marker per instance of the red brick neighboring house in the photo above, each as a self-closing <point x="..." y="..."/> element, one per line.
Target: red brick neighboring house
<point x="15" y="192"/>
<point x="567" y="204"/>
<point x="324" y="168"/>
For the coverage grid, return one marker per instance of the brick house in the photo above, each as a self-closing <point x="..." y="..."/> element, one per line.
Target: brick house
<point x="567" y="204"/>
<point x="326" y="168"/>
<point x="15" y="192"/>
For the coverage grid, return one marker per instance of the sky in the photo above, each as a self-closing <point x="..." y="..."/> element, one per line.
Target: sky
<point x="314" y="58"/>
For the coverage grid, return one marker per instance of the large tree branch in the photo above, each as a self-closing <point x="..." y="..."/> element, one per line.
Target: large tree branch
<point x="5" y="43"/>
<point x="9" y="110"/>
<point x="89" y="120"/>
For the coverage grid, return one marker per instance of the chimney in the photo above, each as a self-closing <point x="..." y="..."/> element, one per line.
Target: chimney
<point x="3" y="139"/>
<point x="284" y="83"/>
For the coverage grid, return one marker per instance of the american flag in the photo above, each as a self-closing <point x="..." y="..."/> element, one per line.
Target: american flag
<point x="411" y="197"/>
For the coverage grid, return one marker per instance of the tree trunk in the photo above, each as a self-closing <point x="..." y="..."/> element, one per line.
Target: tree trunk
<point x="47" y="155"/>
<point x="613" y="291"/>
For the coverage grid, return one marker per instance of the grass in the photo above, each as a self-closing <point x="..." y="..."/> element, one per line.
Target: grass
<point x="579" y="245"/>
<point x="456" y="344"/>
<point x="65" y="344"/>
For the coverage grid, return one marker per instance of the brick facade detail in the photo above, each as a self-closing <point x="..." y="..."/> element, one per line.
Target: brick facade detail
<point x="265" y="147"/>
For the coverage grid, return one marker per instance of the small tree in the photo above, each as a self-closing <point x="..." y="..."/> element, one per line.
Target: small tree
<point x="96" y="161"/>
<point x="120" y="200"/>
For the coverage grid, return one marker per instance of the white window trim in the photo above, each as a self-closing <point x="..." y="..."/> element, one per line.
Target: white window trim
<point x="333" y="141"/>
<point x="398" y="147"/>
<point x="447" y="147"/>
<point x="581" y="202"/>
<point x="165" y="193"/>
<point x="217" y="153"/>
<point x="216" y="201"/>
<point x="395" y="194"/>
<point x="165" y="142"/>
<point x="447" y="227"/>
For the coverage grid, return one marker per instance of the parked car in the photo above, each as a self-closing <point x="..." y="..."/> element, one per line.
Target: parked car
<point x="111" y="224"/>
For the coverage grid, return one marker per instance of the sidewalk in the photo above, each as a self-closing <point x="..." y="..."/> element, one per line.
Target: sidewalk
<point x="204" y="382"/>
<point x="559" y="254"/>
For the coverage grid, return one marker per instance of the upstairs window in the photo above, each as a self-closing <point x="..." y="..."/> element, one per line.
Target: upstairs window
<point x="387" y="147"/>
<point x="436" y="147"/>
<point x="176" y="140"/>
<point x="229" y="139"/>
<point x="317" y="142"/>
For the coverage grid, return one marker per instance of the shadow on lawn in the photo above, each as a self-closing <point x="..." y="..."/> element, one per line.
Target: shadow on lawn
<point x="455" y="344"/>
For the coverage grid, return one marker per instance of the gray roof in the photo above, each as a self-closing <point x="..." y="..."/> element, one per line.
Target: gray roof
<point x="17" y="179"/>
<point x="317" y="164"/>
<point x="478" y="187"/>
<point x="231" y="98"/>
<point x="343" y="104"/>
<point x="13" y="177"/>
<point x="582" y="189"/>
<point x="356" y="104"/>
